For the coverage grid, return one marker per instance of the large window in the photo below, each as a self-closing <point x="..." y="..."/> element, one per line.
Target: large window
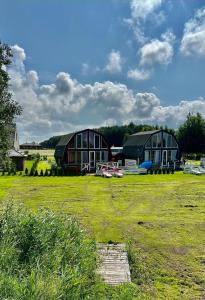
<point x="147" y="155"/>
<point x="97" y="156"/>
<point x="97" y="141"/>
<point x="91" y="139"/>
<point x="104" y="156"/>
<point x="85" y="139"/>
<point x="159" y="140"/>
<point x="79" y="141"/>
<point x="85" y="156"/>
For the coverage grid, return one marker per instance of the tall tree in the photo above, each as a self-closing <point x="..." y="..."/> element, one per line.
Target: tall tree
<point x="191" y="134"/>
<point x="9" y="109"/>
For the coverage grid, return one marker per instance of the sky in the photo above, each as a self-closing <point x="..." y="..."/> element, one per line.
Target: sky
<point x="85" y="64"/>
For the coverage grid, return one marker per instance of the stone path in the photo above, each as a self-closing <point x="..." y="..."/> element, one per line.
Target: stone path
<point x="113" y="264"/>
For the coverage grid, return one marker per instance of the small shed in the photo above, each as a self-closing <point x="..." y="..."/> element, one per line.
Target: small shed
<point x="85" y="147"/>
<point x="159" y="146"/>
<point x="17" y="158"/>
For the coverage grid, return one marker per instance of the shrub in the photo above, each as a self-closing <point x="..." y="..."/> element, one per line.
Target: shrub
<point x="31" y="172"/>
<point x="43" y="256"/>
<point x="36" y="173"/>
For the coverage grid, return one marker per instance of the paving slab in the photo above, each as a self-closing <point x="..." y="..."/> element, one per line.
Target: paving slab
<point x="113" y="264"/>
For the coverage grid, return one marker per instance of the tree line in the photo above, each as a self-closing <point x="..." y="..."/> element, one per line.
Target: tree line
<point x="190" y="135"/>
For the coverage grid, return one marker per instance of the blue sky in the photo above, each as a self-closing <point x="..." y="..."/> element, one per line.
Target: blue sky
<point x="89" y="63"/>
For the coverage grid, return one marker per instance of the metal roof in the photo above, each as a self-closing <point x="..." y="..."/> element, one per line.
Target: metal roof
<point x="14" y="153"/>
<point x="139" y="138"/>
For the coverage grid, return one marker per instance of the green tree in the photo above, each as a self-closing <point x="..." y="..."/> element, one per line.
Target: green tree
<point x="9" y="109"/>
<point x="191" y="134"/>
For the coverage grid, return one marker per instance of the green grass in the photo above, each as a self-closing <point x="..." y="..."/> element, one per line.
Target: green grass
<point x="163" y="215"/>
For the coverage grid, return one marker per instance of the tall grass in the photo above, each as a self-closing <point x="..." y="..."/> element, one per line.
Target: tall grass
<point x="44" y="256"/>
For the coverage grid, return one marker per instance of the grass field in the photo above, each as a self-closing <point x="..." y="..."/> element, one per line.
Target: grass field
<point x="163" y="215"/>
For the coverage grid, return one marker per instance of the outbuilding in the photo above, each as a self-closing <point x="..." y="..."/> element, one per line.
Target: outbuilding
<point x="159" y="146"/>
<point x="80" y="149"/>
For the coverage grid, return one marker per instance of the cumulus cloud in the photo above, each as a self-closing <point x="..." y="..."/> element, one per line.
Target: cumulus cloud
<point x="141" y="11"/>
<point x="193" y="40"/>
<point x="138" y="75"/>
<point x="114" y="64"/>
<point x="158" y="51"/>
<point x="67" y="105"/>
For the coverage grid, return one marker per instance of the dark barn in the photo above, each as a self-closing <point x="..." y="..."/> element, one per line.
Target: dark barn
<point x="86" y="147"/>
<point x="159" y="146"/>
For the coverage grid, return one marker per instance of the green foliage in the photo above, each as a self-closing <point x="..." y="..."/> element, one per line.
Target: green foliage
<point x="191" y="134"/>
<point x="9" y="109"/>
<point x="44" y="256"/>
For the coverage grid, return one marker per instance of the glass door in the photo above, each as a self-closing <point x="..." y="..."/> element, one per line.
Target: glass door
<point x="164" y="157"/>
<point x="92" y="159"/>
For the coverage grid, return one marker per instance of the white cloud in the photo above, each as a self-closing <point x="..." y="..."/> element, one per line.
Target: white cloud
<point x="193" y="40"/>
<point x="67" y="105"/>
<point x="141" y="12"/>
<point x="141" y="9"/>
<point x="114" y="64"/>
<point x="137" y="74"/>
<point x="158" y="51"/>
<point x="86" y="69"/>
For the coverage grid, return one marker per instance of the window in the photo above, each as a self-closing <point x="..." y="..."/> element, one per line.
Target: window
<point x="174" y="155"/>
<point x="104" y="156"/>
<point x="91" y="139"/>
<point x="78" y="141"/>
<point x="85" y="139"/>
<point x="97" y="155"/>
<point x="165" y="137"/>
<point x="159" y="140"/>
<point x="85" y="157"/>
<point x="169" y="155"/>
<point x="157" y="156"/>
<point x="97" y="141"/>
<point x="147" y="155"/>
<point x="169" y="141"/>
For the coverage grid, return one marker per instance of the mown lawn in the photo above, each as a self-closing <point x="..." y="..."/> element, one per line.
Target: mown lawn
<point x="163" y="215"/>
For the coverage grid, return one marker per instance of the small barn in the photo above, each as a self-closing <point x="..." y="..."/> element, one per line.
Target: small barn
<point x="83" y="148"/>
<point x="159" y="146"/>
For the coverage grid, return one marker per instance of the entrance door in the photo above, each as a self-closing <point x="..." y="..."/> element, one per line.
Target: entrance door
<point x="164" y="157"/>
<point x="92" y="159"/>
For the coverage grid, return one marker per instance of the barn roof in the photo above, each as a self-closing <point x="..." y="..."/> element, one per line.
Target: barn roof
<point x="64" y="140"/>
<point x="139" y="138"/>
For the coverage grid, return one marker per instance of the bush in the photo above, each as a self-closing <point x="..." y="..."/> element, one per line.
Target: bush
<point x="43" y="256"/>
<point x="36" y="173"/>
<point x="31" y="172"/>
<point x="26" y="172"/>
